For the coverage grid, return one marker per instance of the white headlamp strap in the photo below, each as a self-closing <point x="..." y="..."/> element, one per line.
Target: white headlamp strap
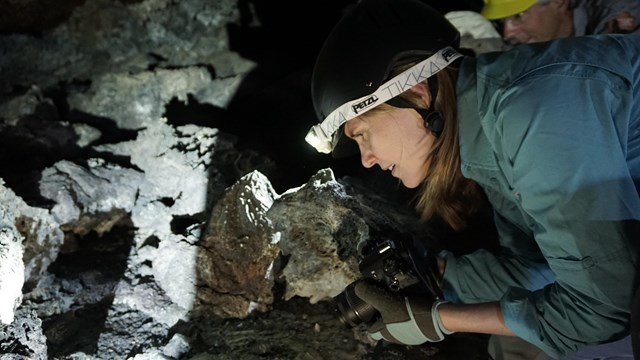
<point x="388" y="90"/>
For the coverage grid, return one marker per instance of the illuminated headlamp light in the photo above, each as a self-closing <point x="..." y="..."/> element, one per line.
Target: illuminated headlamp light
<point x="321" y="136"/>
<point x="317" y="138"/>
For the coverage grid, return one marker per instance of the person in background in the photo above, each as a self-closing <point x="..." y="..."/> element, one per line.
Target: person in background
<point x="529" y="21"/>
<point x="549" y="133"/>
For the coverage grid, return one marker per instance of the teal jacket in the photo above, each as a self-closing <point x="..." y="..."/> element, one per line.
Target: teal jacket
<point x="551" y="132"/>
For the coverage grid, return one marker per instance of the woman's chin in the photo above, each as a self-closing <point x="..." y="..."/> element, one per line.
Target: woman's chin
<point x="410" y="184"/>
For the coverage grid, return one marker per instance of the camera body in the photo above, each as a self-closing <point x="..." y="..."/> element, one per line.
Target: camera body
<point x="398" y="264"/>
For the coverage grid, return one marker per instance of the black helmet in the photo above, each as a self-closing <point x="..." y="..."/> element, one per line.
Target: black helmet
<point x="360" y="51"/>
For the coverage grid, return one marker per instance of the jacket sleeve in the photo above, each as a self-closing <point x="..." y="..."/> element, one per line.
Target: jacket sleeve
<point x="519" y="264"/>
<point x="564" y="158"/>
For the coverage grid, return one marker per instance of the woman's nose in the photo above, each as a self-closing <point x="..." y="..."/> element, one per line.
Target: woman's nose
<point x="367" y="158"/>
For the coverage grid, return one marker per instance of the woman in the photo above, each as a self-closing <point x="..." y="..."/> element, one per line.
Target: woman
<point x="549" y="133"/>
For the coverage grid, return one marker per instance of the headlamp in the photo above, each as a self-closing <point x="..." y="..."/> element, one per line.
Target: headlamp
<point x="317" y="138"/>
<point x="322" y="135"/>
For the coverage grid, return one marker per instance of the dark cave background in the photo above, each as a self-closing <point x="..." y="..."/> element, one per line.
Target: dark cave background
<point x="273" y="102"/>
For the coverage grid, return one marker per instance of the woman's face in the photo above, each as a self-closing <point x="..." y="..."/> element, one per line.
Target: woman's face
<point x="396" y="140"/>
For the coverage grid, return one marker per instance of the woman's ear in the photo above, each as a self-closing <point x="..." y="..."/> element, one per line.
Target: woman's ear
<point x="421" y="91"/>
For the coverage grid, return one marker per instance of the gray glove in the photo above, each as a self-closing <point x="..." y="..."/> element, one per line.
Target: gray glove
<point x="408" y="321"/>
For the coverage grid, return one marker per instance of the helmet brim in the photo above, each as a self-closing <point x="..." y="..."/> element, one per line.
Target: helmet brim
<point x="503" y="10"/>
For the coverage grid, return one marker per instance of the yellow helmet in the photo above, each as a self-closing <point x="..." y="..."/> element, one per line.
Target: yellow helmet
<point x="498" y="9"/>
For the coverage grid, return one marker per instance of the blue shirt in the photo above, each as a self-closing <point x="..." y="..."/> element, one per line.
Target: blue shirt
<point x="551" y="132"/>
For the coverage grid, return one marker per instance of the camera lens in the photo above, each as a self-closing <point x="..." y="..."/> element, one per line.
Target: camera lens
<point x="353" y="310"/>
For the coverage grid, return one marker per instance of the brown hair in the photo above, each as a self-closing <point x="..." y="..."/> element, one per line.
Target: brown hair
<point x="444" y="192"/>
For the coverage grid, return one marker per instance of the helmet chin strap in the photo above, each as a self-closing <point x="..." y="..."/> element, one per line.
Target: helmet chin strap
<point x="432" y="118"/>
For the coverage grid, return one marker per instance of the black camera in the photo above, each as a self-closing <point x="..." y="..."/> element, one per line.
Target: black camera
<point x="399" y="264"/>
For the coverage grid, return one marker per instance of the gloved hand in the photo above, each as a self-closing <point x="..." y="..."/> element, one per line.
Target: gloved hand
<point x="409" y="321"/>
